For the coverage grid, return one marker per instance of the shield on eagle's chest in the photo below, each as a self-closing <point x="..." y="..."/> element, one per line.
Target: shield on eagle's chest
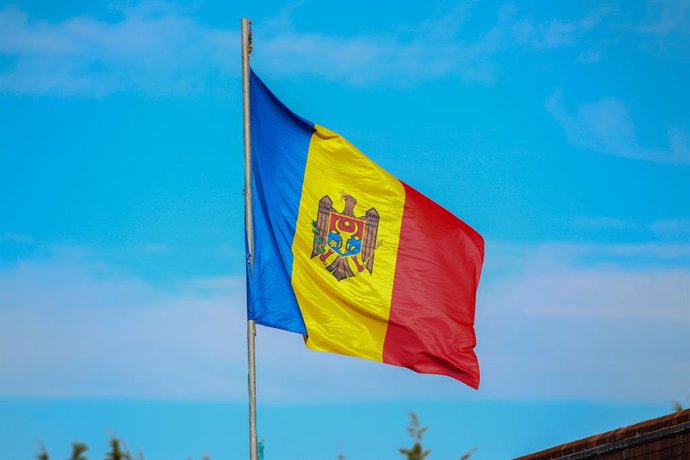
<point x="345" y="234"/>
<point x="345" y="244"/>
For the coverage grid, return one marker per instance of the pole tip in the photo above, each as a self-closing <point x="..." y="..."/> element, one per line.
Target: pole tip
<point x="247" y="24"/>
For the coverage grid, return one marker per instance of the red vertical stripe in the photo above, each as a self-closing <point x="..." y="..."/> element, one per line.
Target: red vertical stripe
<point x="431" y="324"/>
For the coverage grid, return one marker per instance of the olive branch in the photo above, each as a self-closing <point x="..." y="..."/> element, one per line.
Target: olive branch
<point x="318" y="239"/>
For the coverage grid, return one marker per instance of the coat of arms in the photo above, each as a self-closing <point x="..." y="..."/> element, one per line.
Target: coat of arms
<point x="345" y="243"/>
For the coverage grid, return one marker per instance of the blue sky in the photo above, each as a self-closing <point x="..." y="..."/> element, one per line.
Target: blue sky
<point x="560" y="132"/>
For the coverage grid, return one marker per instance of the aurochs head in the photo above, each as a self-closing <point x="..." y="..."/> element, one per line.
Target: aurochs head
<point x="345" y="235"/>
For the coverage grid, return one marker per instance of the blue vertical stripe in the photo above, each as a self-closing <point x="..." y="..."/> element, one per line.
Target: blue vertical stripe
<point x="280" y="143"/>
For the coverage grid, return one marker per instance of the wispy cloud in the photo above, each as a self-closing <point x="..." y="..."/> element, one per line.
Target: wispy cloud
<point x="590" y="56"/>
<point x="601" y="223"/>
<point x="550" y="318"/>
<point x="586" y="320"/>
<point x="605" y="126"/>
<point x="152" y="48"/>
<point x="672" y="228"/>
<point x="74" y="326"/>
<point x="554" y="32"/>
<point x="11" y="237"/>
<point x="155" y="248"/>
<point x="159" y="49"/>
<point x="631" y="281"/>
<point x="666" y="17"/>
<point x="435" y="48"/>
<point x="666" y="229"/>
<point x="411" y="55"/>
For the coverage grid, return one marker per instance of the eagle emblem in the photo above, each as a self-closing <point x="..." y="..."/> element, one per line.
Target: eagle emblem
<point x="345" y="244"/>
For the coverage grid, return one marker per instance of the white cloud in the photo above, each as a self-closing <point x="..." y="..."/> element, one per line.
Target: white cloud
<point x="70" y="327"/>
<point x="666" y="17"/>
<point x="672" y="228"/>
<point x="555" y="33"/>
<point x="410" y="56"/>
<point x="666" y="229"/>
<point x="433" y="49"/>
<point x="155" y="248"/>
<point x="152" y="48"/>
<point x="559" y="320"/>
<point x="601" y="222"/>
<point x="586" y="321"/>
<point x="605" y="126"/>
<point x="159" y="49"/>
<point x="602" y="292"/>
<point x="12" y="237"/>
<point x="73" y="327"/>
<point x="590" y="56"/>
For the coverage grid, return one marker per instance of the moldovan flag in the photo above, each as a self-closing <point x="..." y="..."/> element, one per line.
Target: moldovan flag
<point x="359" y="262"/>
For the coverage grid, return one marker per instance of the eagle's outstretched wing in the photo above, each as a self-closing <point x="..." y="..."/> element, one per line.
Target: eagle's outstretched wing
<point x="320" y="226"/>
<point x="369" y="238"/>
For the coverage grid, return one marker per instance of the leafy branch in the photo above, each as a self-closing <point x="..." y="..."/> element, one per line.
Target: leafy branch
<point x="318" y="239"/>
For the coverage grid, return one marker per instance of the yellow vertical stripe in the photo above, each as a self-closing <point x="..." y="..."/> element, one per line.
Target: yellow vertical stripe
<point x="349" y="316"/>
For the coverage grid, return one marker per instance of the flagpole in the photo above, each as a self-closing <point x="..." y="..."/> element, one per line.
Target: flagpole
<point x="251" y="326"/>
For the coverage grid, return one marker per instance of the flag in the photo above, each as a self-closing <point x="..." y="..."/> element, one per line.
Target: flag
<point x="356" y="260"/>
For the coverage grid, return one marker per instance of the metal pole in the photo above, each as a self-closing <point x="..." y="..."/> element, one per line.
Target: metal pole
<point x="251" y="326"/>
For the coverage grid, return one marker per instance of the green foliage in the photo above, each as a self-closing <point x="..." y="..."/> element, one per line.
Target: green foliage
<point x="468" y="454"/>
<point x="678" y="406"/>
<point x="78" y="449"/>
<point x="43" y="454"/>
<point x="340" y="454"/>
<point x="117" y="451"/>
<point x="417" y="452"/>
<point x="416" y="432"/>
<point x="260" y="449"/>
<point x="320" y="247"/>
